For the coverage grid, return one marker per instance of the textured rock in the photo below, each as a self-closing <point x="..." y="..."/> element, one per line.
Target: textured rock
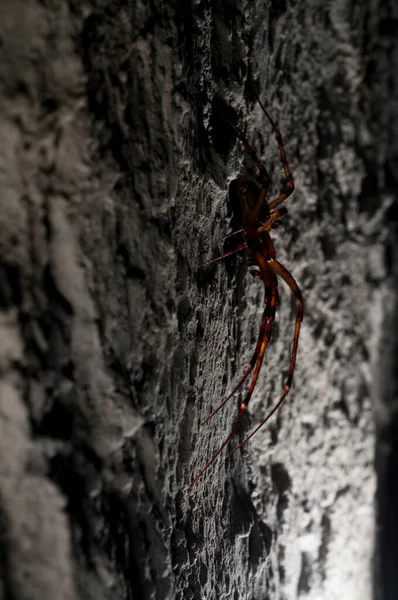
<point x="117" y="180"/>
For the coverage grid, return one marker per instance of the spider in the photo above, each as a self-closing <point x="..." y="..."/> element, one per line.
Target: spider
<point x="260" y="218"/>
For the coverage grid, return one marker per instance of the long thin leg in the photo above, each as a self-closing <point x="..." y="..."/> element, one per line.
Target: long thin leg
<point x="263" y="348"/>
<point x="280" y="270"/>
<point x="290" y="183"/>
<point x="261" y="337"/>
<point x="266" y="180"/>
<point x="212" y="260"/>
<point x="262" y="344"/>
<point x="233" y="233"/>
<point x="251" y="152"/>
<point x="221" y="448"/>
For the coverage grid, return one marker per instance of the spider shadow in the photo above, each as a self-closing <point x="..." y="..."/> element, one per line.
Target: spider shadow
<point x="223" y="136"/>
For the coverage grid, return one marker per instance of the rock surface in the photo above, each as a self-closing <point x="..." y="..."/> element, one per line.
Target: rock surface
<point x="117" y="180"/>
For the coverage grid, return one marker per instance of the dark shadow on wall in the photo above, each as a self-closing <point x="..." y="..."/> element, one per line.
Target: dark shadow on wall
<point x="386" y="550"/>
<point x="387" y="522"/>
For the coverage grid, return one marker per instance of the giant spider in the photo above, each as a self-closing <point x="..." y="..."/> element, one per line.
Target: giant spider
<point x="261" y="217"/>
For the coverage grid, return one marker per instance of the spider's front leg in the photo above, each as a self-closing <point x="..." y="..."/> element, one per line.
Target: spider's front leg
<point x="290" y="182"/>
<point x="255" y="209"/>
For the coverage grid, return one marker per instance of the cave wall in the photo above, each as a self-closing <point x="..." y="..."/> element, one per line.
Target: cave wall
<point x="117" y="181"/>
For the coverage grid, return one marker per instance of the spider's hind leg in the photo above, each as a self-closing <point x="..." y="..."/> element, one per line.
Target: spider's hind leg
<point x="280" y="270"/>
<point x="257" y="359"/>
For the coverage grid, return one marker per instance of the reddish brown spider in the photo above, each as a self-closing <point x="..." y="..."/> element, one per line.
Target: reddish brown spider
<point x="261" y="217"/>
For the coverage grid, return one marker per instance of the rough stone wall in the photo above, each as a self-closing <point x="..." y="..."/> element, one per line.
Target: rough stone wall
<point x="117" y="177"/>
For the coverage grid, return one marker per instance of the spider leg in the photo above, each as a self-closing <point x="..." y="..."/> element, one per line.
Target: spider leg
<point x="212" y="260"/>
<point x="221" y="448"/>
<point x="252" y="153"/>
<point x="266" y="180"/>
<point x="265" y="334"/>
<point x="290" y="183"/>
<point x="275" y="216"/>
<point x="263" y="346"/>
<point x="233" y="233"/>
<point x="263" y="337"/>
<point x="280" y="270"/>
